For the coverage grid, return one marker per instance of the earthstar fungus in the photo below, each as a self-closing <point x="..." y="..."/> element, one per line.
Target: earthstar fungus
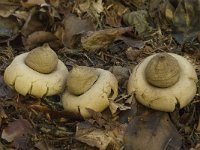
<point x="163" y="81"/>
<point x="38" y="73"/>
<point x="89" y="88"/>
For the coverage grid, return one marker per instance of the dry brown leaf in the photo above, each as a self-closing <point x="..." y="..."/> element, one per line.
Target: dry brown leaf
<point x="169" y="11"/>
<point x="152" y="130"/>
<point x="3" y="147"/>
<point x="93" y="8"/>
<point x="121" y="73"/>
<point x="31" y="3"/>
<point x="7" y="10"/>
<point x="185" y="21"/>
<point x="98" y="6"/>
<point x="130" y="42"/>
<point x="32" y="23"/>
<point x="55" y="3"/>
<point x="5" y="91"/>
<point x="54" y="114"/>
<point x="113" y="21"/>
<point x="126" y="115"/>
<point x="18" y="132"/>
<point x="94" y="138"/>
<point x="100" y="138"/>
<point x="113" y="106"/>
<point x="21" y="14"/>
<point x="39" y="37"/>
<point x="43" y="145"/>
<point x="197" y="147"/>
<point x="153" y="7"/>
<point x="132" y="53"/>
<point x="180" y="15"/>
<point x="9" y="2"/>
<point x="10" y="133"/>
<point x="102" y="38"/>
<point x="9" y="28"/>
<point x="84" y="6"/>
<point x="74" y="27"/>
<point x="114" y="13"/>
<point x="53" y="13"/>
<point x="97" y="117"/>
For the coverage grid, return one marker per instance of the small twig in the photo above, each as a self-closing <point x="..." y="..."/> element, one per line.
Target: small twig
<point x="113" y="57"/>
<point x="167" y="144"/>
<point x="121" y="98"/>
<point x="86" y="56"/>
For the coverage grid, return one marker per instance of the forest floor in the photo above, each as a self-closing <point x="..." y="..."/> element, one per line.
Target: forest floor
<point x="112" y="35"/>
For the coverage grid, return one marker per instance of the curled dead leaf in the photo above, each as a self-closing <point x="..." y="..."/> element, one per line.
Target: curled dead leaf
<point x="100" y="39"/>
<point x="100" y="138"/>
<point x="40" y="37"/>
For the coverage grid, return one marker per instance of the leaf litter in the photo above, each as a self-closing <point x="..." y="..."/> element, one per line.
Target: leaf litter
<point x="155" y="130"/>
<point x="94" y="33"/>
